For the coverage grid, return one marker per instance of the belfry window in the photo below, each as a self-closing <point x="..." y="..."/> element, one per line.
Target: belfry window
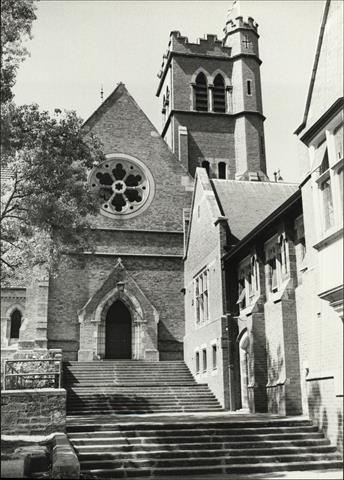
<point x="201" y="93"/>
<point x="219" y="95"/>
<point x="16" y="320"/>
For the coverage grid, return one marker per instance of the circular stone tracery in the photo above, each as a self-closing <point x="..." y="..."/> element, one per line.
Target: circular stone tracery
<point x="124" y="185"/>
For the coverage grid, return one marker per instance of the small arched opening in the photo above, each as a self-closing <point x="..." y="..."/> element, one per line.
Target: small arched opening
<point x="15" y="324"/>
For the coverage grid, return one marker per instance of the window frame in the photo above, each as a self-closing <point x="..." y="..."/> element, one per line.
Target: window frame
<point x="277" y="253"/>
<point x="333" y="176"/>
<point x="214" y="356"/>
<point x="197" y="362"/>
<point x="201" y="297"/>
<point x="248" y="280"/>
<point x="204" y="360"/>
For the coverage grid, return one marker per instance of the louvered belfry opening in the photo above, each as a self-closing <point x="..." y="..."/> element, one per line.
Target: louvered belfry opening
<point x="201" y="93"/>
<point x="219" y="94"/>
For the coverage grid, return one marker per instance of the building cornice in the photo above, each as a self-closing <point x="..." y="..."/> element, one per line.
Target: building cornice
<point x="137" y="230"/>
<point x="128" y="254"/>
<point x="319" y="125"/>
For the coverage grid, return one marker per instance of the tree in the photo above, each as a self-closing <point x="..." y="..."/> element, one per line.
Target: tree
<point x="16" y="22"/>
<point x="46" y="203"/>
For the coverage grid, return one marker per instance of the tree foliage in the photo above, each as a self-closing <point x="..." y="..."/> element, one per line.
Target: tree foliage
<point x="46" y="202"/>
<point x="16" y="22"/>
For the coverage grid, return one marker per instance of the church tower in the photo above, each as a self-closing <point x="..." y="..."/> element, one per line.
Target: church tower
<point x="211" y="96"/>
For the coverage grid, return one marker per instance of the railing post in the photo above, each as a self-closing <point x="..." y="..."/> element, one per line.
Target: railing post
<point x="5" y="368"/>
<point x="60" y="372"/>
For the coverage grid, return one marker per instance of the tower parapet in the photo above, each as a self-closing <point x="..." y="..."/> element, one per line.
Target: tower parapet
<point x="239" y="22"/>
<point x="210" y="46"/>
<point x="242" y="36"/>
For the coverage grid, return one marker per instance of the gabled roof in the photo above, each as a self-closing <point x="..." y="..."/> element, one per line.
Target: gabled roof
<point x="326" y="83"/>
<point x="241" y="204"/>
<point x="118" y="92"/>
<point x="245" y="204"/>
<point x="314" y="69"/>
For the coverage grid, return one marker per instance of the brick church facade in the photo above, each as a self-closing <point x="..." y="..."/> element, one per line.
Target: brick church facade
<point x="196" y="254"/>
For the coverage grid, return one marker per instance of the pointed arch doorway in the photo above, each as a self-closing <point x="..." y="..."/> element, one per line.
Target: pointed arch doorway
<point x="118" y="332"/>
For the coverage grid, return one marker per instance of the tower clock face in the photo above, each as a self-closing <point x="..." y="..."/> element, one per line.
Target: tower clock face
<point x="124" y="184"/>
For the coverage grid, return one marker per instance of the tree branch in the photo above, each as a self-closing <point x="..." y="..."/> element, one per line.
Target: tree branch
<point x="6" y="263"/>
<point x="9" y="200"/>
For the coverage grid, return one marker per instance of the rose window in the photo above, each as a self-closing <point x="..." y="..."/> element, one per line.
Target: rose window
<point x="123" y="185"/>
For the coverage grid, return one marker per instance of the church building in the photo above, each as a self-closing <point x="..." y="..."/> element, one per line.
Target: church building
<point x="196" y="254"/>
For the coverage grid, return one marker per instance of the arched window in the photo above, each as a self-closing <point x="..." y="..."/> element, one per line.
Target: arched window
<point x="222" y="170"/>
<point x="219" y="96"/>
<point x="206" y="165"/>
<point x="201" y="93"/>
<point x="16" y="320"/>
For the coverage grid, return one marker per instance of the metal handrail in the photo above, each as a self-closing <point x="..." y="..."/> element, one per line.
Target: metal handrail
<point x="8" y="364"/>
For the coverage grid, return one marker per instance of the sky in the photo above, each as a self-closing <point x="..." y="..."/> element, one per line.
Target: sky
<point x="78" y="46"/>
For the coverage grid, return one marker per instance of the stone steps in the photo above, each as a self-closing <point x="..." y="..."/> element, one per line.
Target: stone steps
<point x="137" y="454"/>
<point x="101" y="395"/>
<point x="117" y="449"/>
<point x="134" y="387"/>
<point x="164" y="448"/>
<point x="206" y="470"/>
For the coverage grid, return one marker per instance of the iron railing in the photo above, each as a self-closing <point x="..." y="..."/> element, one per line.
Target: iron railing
<point x="32" y="373"/>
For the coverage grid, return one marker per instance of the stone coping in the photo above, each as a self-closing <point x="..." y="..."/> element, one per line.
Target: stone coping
<point x="64" y="461"/>
<point x="56" y="391"/>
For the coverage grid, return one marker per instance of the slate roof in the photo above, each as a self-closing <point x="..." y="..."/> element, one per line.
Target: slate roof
<point x="246" y="204"/>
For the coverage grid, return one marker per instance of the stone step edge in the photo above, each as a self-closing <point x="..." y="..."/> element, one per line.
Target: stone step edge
<point x="269" y="467"/>
<point x="223" y="460"/>
<point x="205" y="453"/>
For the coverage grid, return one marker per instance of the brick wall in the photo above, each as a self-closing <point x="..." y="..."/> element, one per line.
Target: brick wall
<point x="326" y="408"/>
<point x="160" y="279"/>
<point x="204" y="250"/>
<point x="210" y="137"/>
<point x="33" y="412"/>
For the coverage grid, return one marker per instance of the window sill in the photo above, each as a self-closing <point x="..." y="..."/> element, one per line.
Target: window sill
<point x="275" y="297"/>
<point x="329" y="237"/>
<point x="276" y="383"/>
<point x="337" y="164"/>
<point x="247" y="311"/>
